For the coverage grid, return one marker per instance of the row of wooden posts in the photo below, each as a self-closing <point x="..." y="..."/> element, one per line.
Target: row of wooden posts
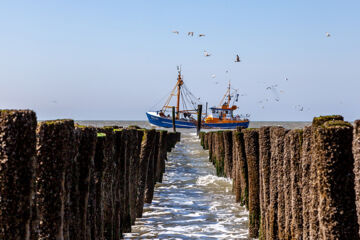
<point x="296" y="184"/>
<point x="59" y="180"/>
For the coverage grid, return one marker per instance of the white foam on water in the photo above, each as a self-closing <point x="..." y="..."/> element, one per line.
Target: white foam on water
<point x="212" y="180"/>
<point x="191" y="202"/>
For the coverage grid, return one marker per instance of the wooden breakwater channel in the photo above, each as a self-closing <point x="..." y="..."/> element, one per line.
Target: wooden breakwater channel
<point x="59" y="180"/>
<point x="296" y="184"/>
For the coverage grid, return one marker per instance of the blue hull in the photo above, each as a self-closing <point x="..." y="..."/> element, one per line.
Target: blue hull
<point x="167" y="123"/>
<point x="226" y="125"/>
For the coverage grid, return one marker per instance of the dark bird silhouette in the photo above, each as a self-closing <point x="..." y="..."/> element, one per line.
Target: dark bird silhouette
<point x="201" y="35"/>
<point x="237" y="58"/>
<point x="191" y="34"/>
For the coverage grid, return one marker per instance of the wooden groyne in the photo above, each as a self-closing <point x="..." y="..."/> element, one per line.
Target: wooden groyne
<point x="59" y="180"/>
<point x="296" y="184"/>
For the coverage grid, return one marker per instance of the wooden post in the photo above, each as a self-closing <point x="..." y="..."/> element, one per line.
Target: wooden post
<point x="198" y="127"/>
<point x="17" y="157"/>
<point x="206" y="109"/>
<point x="173" y="119"/>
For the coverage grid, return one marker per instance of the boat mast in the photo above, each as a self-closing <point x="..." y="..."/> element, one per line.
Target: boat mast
<point x="227" y="94"/>
<point x="179" y="84"/>
<point x="229" y="98"/>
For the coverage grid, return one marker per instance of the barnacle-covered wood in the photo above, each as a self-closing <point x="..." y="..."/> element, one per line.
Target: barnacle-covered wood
<point x="356" y="153"/>
<point x="55" y="152"/>
<point x="337" y="210"/>
<point x="264" y="164"/>
<point x="228" y="161"/>
<point x="251" y="140"/>
<point x="277" y="135"/>
<point x="17" y="159"/>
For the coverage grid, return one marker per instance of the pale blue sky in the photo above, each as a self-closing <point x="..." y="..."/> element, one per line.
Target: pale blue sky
<point x="115" y="59"/>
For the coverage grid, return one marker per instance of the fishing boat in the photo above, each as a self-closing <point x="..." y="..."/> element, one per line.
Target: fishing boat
<point x="220" y="117"/>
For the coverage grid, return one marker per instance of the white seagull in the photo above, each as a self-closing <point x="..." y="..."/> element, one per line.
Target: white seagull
<point x="206" y="54"/>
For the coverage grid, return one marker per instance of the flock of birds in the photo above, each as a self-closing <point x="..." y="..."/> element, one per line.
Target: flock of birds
<point x="273" y="89"/>
<point x="206" y="53"/>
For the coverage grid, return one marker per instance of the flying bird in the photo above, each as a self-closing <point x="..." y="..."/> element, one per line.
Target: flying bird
<point x="191" y="34"/>
<point x="201" y="35"/>
<point x="271" y="87"/>
<point x="328" y="34"/>
<point x="286" y="79"/>
<point x="176" y="32"/>
<point x="299" y="107"/>
<point x="237" y="58"/>
<point x="206" y="54"/>
<point x="213" y="76"/>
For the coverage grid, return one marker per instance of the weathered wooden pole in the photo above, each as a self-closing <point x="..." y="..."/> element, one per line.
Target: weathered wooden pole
<point x="109" y="171"/>
<point x="337" y="209"/>
<point x="356" y="153"/>
<point x="84" y="164"/>
<point x="277" y="135"/>
<point x="305" y="191"/>
<point x="264" y="165"/>
<point x="219" y="153"/>
<point x="251" y="138"/>
<point x="150" y="178"/>
<point x="198" y="126"/>
<point x="210" y="143"/>
<point x="296" y="140"/>
<point x="173" y="119"/>
<point x="133" y="149"/>
<point x="17" y="157"/>
<point x="98" y="188"/>
<point x="314" y="188"/>
<point x="281" y="190"/>
<point x="241" y="190"/>
<point x="285" y="187"/>
<point x="55" y="152"/>
<point x="228" y="151"/>
<point x="119" y="183"/>
<point x="160" y="169"/>
<point x="145" y="155"/>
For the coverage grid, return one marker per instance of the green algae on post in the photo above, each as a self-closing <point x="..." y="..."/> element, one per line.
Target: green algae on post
<point x="318" y="121"/>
